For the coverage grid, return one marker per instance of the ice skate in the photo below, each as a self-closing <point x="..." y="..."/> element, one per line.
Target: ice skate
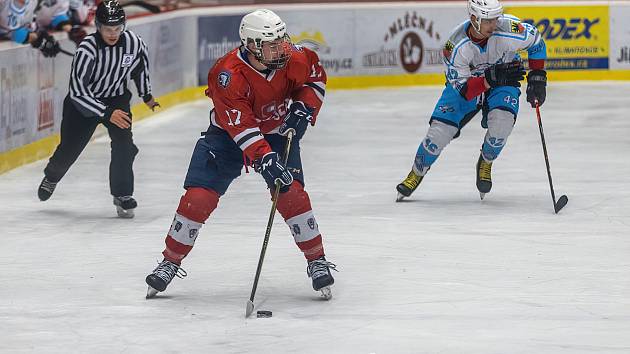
<point x="125" y="206"/>
<point x="319" y="271"/>
<point x="46" y="189"/>
<point x="406" y="187"/>
<point x="162" y="275"/>
<point x="484" y="176"/>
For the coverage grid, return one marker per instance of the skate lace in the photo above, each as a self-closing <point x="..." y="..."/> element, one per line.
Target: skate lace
<point x="48" y="186"/>
<point x="320" y="267"/>
<point x="412" y="181"/>
<point x="484" y="170"/>
<point x="168" y="270"/>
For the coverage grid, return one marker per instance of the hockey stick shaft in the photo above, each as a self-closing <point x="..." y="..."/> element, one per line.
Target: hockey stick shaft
<point x="61" y="50"/>
<point x="563" y="200"/>
<point x="272" y="213"/>
<point x="544" y="146"/>
<point x="145" y="5"/>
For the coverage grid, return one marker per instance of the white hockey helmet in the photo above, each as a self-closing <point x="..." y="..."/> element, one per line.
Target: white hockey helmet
<point x="261" y="26"/>
<point x="484" y="10"/>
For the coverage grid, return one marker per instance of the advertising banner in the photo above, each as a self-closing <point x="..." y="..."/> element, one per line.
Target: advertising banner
<point x="28" y="97"/>
<point x="330" y="34"/>
<point x="577" y="37"/>
<point x="165" y="41"/>
<point x="619" y="37"/>
<point x="403" y="41"/>
<point x="217" y="35"/>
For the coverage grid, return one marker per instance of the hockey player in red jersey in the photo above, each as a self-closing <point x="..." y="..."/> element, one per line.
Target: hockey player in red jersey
<point x="261" y="91"/>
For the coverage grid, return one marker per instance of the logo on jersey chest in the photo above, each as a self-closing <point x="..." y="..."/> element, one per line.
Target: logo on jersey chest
<point x="127" y="60"/>
<point x="273" y="111"/>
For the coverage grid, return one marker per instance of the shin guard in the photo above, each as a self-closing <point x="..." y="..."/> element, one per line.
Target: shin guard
<point x="194" y="208"/>
<point x="295" y="207"/>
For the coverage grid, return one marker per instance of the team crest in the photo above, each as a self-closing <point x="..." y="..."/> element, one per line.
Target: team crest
<point x="296" y="230"/>
<point x="448" y="49"/>
<point x="127" y="59"/>
<point x="224" y="79"/>
<point x="517" y="27"/>
<point x="311" y="223"/>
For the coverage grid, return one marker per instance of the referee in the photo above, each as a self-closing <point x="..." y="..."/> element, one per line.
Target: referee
<point x="101" y="68"/>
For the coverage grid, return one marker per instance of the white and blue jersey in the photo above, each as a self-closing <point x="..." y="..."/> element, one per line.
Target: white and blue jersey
<point x="465" y="59"/>
<point x="56" y="13"/>
<point x="16" y="20"/>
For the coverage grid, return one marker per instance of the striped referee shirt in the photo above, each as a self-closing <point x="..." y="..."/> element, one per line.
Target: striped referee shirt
<point x="102" y="71"/>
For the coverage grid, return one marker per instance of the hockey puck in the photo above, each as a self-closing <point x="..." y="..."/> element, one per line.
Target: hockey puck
<point x="263" y="314"/>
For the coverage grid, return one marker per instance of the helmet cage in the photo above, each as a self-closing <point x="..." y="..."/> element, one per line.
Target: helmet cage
<point x="274" y="54"/>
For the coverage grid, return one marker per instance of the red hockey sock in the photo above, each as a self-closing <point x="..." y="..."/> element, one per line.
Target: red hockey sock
<point x="194" y="209"/>
<point x="295" y="207"/>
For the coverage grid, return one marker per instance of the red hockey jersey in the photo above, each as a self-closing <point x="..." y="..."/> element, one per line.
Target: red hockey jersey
<point x="249" y="103"/>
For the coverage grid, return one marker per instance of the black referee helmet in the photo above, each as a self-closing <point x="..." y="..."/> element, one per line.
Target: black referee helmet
<point x="110" y="13"/>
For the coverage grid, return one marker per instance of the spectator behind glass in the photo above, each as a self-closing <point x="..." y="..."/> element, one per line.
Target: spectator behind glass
<point x="16" y="24"/>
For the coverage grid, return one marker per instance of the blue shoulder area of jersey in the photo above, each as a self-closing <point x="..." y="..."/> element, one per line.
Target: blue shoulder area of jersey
<point x="538" y="51"/>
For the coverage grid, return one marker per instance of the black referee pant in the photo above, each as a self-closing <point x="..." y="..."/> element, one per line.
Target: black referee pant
<point x="76" y="131"/>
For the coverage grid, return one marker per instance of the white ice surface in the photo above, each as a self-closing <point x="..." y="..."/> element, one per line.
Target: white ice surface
<point x="441" y="273"/>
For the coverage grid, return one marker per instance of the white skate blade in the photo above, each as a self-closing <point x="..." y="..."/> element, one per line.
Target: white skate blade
<point x="481" y="195"/>
<point x="125" y="213"/>
<point x="151" y="292"/>
<point x="399" y="197"/>
<point x="326" y="293"/>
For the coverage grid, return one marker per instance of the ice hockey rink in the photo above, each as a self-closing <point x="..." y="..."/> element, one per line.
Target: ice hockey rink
<point x="443" y="272"/>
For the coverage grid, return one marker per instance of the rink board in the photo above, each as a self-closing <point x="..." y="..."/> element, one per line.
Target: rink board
<point x="360" y="45"/>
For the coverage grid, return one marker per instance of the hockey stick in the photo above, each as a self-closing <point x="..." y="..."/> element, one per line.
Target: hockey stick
<point x="250" y="303"/>
<point x="562" y="201"/>
<point x="61" y="50"/>
<point x="145" y="5"/>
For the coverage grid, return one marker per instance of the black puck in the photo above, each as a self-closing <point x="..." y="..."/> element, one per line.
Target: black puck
<point x="263" y="314"/>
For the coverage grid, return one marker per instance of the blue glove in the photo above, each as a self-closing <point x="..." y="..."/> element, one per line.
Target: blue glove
<point x="272" y="170"/>
<point x="297" y="119"/>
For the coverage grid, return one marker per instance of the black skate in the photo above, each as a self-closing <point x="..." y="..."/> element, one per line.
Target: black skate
<point x="124" y="206"/>
<point x="319" y="271"/>
<point x="406" y="187"/>
<point x="162" y="275"/>
<point x="46" y="189"/>
<point x="484" y="176"/>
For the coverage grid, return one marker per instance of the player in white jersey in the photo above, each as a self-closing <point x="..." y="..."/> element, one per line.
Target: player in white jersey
<point x="16" y="24"/>
<point x="483" y="69"/>
<point x="64" y="15"/>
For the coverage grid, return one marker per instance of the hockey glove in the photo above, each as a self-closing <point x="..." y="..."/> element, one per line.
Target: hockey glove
<point x="536" y="87"/>
<point x="297" y="120"/>
<point x="506" y="74"/>
<point x="46" y="44"/>
<point x="76" y="34"/>
<point x="272" y="170"/>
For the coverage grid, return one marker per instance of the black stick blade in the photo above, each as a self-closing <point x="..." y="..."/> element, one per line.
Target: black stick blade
<point x="562" y="201"/>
